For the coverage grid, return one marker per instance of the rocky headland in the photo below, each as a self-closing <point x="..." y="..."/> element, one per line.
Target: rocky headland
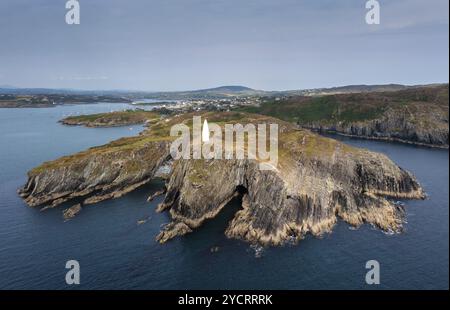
<point x="417" y="115"/>
<point x="112" y="119"/>
<point x="316" y="182"/>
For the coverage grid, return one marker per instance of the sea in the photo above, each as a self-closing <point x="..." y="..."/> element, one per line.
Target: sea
<point x="114" y="241"/>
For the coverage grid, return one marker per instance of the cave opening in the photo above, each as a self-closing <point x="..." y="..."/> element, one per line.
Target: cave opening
<point x="214" y="229"/>
<point x="241" y="191"/>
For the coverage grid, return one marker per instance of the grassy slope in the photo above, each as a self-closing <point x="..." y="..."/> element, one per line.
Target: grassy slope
<point x="289" y="138"/>
<point x="111" y="119"/>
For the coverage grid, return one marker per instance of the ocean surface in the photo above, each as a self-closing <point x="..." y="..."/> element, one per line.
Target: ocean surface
<point x="115" y="252"/>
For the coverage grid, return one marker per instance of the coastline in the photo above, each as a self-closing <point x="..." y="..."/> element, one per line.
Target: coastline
<point x="384" y="139"/>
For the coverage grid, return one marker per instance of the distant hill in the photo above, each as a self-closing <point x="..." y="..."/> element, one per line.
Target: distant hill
<point x="217" y="92"/>
<point x="220" y="92"/>
<point x="231" y="88"/>
<point x="360" y="89"/>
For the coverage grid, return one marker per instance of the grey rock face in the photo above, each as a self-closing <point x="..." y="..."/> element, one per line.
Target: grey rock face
<point x="95" y="176"/>
<point x="305" y="195"/>
<point x="425" y="125"/>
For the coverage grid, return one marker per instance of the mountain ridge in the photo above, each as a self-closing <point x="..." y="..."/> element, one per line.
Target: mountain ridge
<point x="10" y="89"/>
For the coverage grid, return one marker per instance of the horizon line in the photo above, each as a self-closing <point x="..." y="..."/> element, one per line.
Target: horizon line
<point x="212" y="88"/>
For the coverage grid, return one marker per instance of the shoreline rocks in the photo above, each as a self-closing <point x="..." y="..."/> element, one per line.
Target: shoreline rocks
<point x="72" y="212"/>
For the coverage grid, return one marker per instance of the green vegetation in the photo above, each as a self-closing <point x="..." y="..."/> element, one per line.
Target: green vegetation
<point x="158" y="131"/>
<point x="120" y="118"/>
<point x="313" y="109"/>
<point x="348" y="108"/>
<point x="416" y="103"/>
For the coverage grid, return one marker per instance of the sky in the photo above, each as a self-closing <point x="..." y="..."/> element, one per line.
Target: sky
<point x="166" y="45"/>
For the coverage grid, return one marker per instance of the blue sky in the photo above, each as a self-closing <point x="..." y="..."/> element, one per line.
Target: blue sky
<point x="191" y="44"/>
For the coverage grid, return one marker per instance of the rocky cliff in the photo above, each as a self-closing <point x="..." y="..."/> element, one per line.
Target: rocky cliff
<point x="417" y="115"/>
<point x="105" y="172"/>
<point x="414" y="123"/>
<point x="316" y="181"/>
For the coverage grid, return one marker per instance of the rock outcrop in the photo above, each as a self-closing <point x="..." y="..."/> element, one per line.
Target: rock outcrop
<point x="72" y="212"/>
<point x="318" y="181"/>
<point x="156" y="194"/>
<point x="97" y="174"/>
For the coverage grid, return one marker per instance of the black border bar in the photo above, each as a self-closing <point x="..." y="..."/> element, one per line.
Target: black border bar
<point x="360" y="299"/>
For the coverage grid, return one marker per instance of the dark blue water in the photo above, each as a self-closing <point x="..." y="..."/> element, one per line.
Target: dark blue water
<point x="115" y="252"/>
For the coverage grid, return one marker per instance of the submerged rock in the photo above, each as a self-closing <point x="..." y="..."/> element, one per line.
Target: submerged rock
<point x="156" y="194"/>
<point x="143" y="221"/>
